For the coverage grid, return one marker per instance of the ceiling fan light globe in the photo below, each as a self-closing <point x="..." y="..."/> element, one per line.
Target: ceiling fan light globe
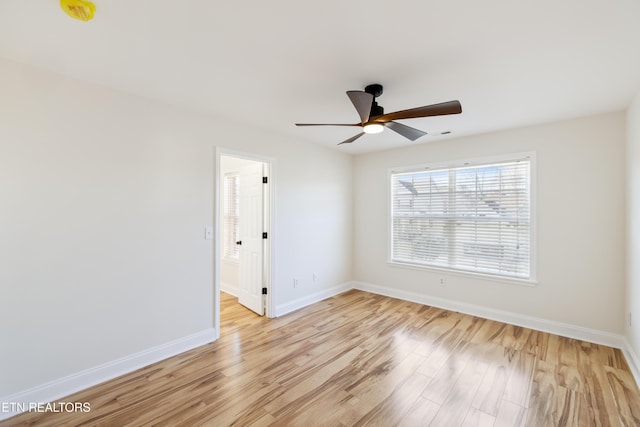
<point x="373" y="128"/>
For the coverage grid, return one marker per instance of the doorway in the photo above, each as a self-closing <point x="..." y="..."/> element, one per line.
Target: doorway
<point x="243" y="239"/>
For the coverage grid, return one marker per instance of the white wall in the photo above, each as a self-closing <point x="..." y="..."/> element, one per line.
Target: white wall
<point x="229" y="276"/>
<point x="632" y="332"/>
<point x="104" y="200"/>
<point x="580" y="216"/>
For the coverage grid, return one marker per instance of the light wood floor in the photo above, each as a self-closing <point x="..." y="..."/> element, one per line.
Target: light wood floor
<point x="362" y="359"/>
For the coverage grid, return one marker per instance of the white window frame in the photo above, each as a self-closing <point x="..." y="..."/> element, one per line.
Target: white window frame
<point x="531" y="157"/>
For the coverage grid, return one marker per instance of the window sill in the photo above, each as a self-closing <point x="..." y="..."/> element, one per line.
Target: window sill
<point x="466" y="274"/>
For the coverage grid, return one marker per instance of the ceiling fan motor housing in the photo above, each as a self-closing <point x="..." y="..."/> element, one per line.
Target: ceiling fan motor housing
<point x="376" y="110"/>
<point x="375" y="89"/>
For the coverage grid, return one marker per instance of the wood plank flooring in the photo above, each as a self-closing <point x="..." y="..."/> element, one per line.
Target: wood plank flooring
<point x="359" y="359"/>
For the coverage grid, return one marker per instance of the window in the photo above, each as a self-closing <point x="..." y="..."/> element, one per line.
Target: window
<point x="230" y="216"/>
<point x="474" y="218"/>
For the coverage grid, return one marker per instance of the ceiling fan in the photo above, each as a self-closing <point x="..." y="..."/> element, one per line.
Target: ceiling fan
<point x="373" y="119"/>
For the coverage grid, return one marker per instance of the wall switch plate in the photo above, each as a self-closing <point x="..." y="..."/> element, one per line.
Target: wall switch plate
<point x="208" y="233"/>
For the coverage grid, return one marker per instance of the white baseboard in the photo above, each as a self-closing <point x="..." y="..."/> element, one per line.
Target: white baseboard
<point x="313" y="298"/>
<point x="230" y="289"/>
<point x="73" y="383"/>
<point x="544" y="325"/>
<point x="632" y="360"/>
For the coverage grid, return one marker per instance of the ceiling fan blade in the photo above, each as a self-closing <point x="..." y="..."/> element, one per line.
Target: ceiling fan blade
<point x="362" y="101"/>
<point x="406" y="131"/>
<point x="328" y="124"/>
<point x="350" y="140"/>
<point x="442" y="109"/>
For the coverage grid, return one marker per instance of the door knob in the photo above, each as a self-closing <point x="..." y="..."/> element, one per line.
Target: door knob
<point x="239" y="242"/>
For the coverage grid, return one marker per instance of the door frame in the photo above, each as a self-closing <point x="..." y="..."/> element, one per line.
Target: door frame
<point x="269" y="216"/>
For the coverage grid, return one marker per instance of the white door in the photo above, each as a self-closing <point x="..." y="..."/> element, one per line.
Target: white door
<point x="250" y="243"/>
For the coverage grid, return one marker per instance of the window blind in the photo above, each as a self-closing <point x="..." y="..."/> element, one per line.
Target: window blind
<point x="230" y="216"/>
<point x="471" y="218"/>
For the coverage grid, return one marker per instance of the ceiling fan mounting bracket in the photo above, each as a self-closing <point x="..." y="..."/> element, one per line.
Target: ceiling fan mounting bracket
<point x="374" y="89"/>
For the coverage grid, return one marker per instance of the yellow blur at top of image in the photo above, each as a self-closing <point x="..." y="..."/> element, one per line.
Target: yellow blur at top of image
<point x="78" y="9"/>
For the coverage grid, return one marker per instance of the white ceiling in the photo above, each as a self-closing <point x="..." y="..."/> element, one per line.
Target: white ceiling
<point x="271" y="64"/>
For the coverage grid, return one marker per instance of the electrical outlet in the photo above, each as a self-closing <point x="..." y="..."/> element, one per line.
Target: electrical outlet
<point x="296" y="282"/>
<point x="443" y="281"/>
